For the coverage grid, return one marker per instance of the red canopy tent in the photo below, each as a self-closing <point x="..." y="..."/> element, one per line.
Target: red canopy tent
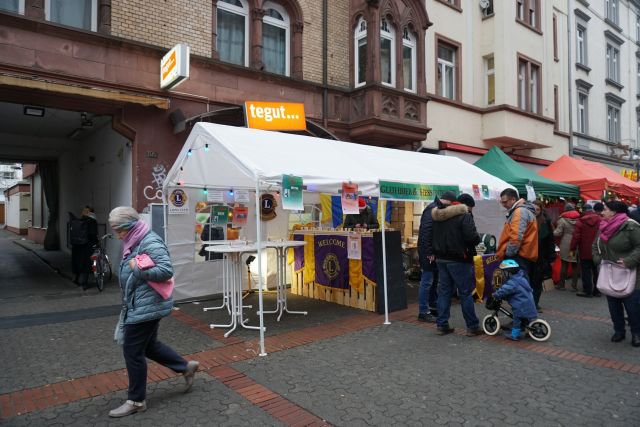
<point x="592" y="178"/>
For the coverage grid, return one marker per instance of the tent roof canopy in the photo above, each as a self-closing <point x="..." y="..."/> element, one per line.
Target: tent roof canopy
<point x="592" y="178"/>
<point x="497" y="163"/>
<point x="237" y="157"/>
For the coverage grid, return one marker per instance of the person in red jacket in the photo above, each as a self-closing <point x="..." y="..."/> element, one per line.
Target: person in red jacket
<point x="583" y="236"/>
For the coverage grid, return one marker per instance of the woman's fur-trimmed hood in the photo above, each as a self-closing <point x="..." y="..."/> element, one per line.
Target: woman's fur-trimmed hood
<point x="448" y="212"/>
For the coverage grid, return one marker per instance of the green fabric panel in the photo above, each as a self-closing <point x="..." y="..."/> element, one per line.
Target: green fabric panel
<point x="498" y="164"/>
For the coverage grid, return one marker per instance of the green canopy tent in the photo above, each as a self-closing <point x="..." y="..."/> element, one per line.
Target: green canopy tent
<point x="498" y="164"/>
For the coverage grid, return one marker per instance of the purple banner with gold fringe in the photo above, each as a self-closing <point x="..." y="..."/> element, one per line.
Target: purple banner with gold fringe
<point x="332" y="263"/>
<point x="327" y="254"/>
<point x="484" y="267"/>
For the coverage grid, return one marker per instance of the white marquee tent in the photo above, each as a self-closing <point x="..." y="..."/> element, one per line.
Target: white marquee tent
<point x="224" y="157"/>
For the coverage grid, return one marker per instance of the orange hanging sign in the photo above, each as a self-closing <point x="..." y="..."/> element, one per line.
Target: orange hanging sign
<point x="275" y="115"/>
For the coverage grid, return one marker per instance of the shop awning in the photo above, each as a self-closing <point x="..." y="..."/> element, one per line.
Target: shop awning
<point x="592" y="178"/>
<point x="497" y="163"/>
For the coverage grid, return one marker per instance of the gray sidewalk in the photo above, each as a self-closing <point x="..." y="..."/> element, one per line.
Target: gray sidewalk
<point x="338" y="364"/>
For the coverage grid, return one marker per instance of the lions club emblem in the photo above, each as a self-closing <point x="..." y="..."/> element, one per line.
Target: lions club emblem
<point x="331" y="266"/>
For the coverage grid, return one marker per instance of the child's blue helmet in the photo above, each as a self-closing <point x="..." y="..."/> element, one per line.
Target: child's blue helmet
<point x="508" y="264"/>
<point x="509" y="267"/>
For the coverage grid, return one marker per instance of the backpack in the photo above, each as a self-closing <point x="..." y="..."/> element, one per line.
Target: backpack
<point x="78" y="231"/>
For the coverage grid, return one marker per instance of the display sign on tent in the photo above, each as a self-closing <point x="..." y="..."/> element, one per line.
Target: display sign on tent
<point x="405" y="191"/>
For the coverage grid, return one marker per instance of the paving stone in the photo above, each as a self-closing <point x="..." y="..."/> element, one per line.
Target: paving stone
<point x="52" y="353"/>
<point x="208" y="403"/>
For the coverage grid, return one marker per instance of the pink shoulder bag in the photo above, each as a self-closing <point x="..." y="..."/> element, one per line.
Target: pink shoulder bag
<point x="615" y="280"/>
<point x="165" y="289"/>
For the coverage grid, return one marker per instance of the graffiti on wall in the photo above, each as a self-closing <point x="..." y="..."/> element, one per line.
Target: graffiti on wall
<point x="158" y="175"/>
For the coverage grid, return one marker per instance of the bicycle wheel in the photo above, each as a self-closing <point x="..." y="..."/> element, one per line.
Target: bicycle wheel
<point x="99" y="276"/>
<point x="539" y="330"/>
<point x="106" y="268"/>
<point x="491" y="324"/>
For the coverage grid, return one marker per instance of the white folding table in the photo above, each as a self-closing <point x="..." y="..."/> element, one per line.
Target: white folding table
<point x="233" y="256"/>
<point x="281" y="247"/>
<point x="226" y="292"/>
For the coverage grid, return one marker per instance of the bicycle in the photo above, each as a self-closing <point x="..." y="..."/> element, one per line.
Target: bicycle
<point x="100" y="263"/>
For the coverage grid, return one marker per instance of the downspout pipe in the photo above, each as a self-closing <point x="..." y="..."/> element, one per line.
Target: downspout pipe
<point x="325" y="65"/>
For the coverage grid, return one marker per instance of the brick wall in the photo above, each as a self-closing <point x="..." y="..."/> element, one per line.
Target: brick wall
<point x="337" y="41"/>
<point x="164" y="23"/>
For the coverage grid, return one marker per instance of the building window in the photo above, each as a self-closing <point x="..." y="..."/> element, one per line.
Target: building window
<point x="638" y="78"/>
<point x="387" y="54"/>
<point x="447" y="71"/>
<point x="15" y="6"/>
<point x="528" y="13"/>
<point x="556" y="107"/>
<point x="73" y="13"/>
<point x="487" y="8"/>
<point x="583" y="110"/>
<point x="409" y="60"/>
<point x="490" y="72"/>
<point x="581" y="44"/>
<point x="555" y="38"/>
<point x="637" y="129"/>
<point x="520" y="9"/>
<point x="232" y="42"/>
<point x="275" y="39"/>
<point x="613" y="123"/>
<point x="613" y="63"/>
<point x="611" y="10"/>
<point x="529" y="86"/>
<point x="361" y="53"/>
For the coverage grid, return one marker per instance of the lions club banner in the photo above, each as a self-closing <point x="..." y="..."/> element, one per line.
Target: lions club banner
<point x="332" y="263"/>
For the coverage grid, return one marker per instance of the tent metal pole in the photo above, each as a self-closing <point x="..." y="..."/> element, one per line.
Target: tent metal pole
<point x="260" y="284"/>
<point x="384" y="264"/>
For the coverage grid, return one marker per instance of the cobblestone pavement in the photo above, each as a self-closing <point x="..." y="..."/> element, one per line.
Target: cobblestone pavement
<point x="336" y="366"/>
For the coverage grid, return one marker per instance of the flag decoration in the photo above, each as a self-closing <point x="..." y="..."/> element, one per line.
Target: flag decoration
<point x="331" y="207"/>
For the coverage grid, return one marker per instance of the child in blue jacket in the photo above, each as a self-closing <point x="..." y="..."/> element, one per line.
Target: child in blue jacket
<point x="518" y="293"/>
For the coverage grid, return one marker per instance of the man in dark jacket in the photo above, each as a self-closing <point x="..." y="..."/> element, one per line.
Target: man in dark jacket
<point x="584" y="234"/>
<point x="454" y="241"/>
<point x="428" y="291"/>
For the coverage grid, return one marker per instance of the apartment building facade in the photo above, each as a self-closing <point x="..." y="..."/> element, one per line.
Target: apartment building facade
<point x="497" y="74"/>
<point x="605" y="81"/>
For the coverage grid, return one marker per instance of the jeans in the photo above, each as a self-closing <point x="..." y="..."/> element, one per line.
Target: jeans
<point x="141" y="342"/>
<point x="617" y="306"/>
<point x="428" y="291"/>
<point x="458" y="275"/>
<point x="589" y="276"/>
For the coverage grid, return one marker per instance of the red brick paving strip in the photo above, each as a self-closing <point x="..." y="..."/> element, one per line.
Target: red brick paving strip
<point x="270" y="402"/>
<point x="50" y="395"/>
<point x="28" y="400"/>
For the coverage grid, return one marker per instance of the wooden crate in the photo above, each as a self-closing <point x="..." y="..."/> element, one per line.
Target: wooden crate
<point x="365" y="300"/>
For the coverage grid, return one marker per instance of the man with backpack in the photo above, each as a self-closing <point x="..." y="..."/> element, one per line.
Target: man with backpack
<point x="83" y="236"/>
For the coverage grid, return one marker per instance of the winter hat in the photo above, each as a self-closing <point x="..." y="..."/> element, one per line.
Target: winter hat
<point x="569" y="207"/>
<point x="449" y="196"/>
<point x="466" y="199"/>
<point x="123" y="217"/>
